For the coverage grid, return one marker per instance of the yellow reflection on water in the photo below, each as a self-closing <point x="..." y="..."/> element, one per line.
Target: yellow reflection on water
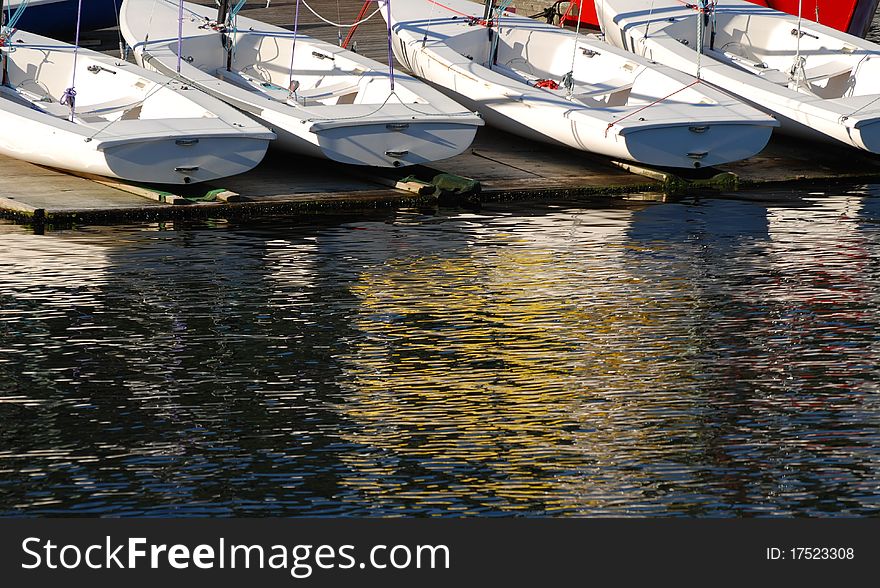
<point x="509" y="359"/>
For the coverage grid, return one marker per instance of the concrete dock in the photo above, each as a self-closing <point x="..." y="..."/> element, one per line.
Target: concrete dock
<point x="506" y="167"/>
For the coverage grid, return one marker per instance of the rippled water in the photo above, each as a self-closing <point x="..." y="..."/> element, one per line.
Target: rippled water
<point x="874" y="31"/>
<point x="708" y="358"/>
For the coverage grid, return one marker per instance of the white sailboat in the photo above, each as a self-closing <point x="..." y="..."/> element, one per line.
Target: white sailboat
<point x="559" y="86"/>
<point x="320" y="99"/>
<point x="818" y="82"/>
<point x="84" y="111"/>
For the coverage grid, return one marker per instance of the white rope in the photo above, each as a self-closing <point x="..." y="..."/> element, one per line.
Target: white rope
<point x="495" y="16"/>
<point x="338" y="17"/>
<point x="859" y="109"/>
<point x="150" y="20"/>
<point x="314" y="116"/>
<point x="156" y="88"/>
<point x="797" y="74"/>
<point x="568" y="79"/>
<point x="650" y="15"/>
<point x="336" y="24"/>
<point x="119" y="36"/>
<point x="430" y="22"/>
<point x="701" y="6"/>
<point x="290" y="85"/>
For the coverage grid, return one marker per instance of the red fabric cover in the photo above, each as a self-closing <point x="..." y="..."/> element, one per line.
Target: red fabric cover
<point x="833" y="13"/>
<point x="588" y="13"/>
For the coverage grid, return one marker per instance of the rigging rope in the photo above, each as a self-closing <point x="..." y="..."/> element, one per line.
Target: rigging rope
<point x="703" y="9"/>
<point x="236" y="9"/>
<point x="119" y="36"/>
<point x="797" y="74"/>
<point x="393" y="92"/>
<point x="860" y="108"/>
<point x="338" y="25"/>
<point x="339" y="18"/>
<point x="232" y="25"/>
<point x="496" y="18"/>
<point x="471" y="18"/>
<point x="568" y="79"/>
<point x="408" y="106"/>
<point x="430" y="22"/>
<point x="150" y="22"/>
<point x="13" y="20"/>
<point x="650" y="15"/>
<point x="179" y="34"/>
<point x="390" y="48"/>
<point x="488" y="16"/>
<point x="290" y="86"/>
<point x="157" y="88"/>
<point x="647" y="106"/>
<point x="701" y="5"/>
<point x="68" y="98"/>
<point x="5" y="37"/>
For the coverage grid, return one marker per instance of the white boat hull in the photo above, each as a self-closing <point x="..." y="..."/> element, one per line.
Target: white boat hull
<point x="381" y="143"/>
<point x="129" y="123"/>
<point x="835" y="98"/>
<point x="620" y="106"/>
<point x="359" y="120"/>
<point x="158" y="160"/>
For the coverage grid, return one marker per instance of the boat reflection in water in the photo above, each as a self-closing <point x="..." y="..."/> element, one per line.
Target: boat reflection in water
<point x="595" y="362"/>
<point x="550" y="365"/>
<point x="712" y="358"/>
<point x="53" y="273"/>
<point x="480" y="342"/>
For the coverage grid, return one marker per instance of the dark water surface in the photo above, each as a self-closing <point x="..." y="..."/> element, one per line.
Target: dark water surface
<point x="874" y="31"/>
<point x="707" y="358"/>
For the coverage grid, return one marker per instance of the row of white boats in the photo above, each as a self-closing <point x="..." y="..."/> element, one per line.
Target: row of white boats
<point x="670" y="83"/>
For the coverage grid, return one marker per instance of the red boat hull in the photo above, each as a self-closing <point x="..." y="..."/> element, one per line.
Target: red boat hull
<point x="851" y="16"/>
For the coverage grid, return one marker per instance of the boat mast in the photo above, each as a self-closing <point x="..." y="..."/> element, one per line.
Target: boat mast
<point x="5" y="79"/>
<point x="390" y="47"/>
<point x="487" y="15"/>
<point x="222" y="14"/>
<point x="714" y="8"/>
<point x="490" y="4"/>
<point x="222" y="11"/>
<point x="701" y="31"/>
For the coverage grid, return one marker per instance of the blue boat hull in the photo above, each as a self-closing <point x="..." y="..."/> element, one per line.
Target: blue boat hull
<point x="58" y="19"/>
